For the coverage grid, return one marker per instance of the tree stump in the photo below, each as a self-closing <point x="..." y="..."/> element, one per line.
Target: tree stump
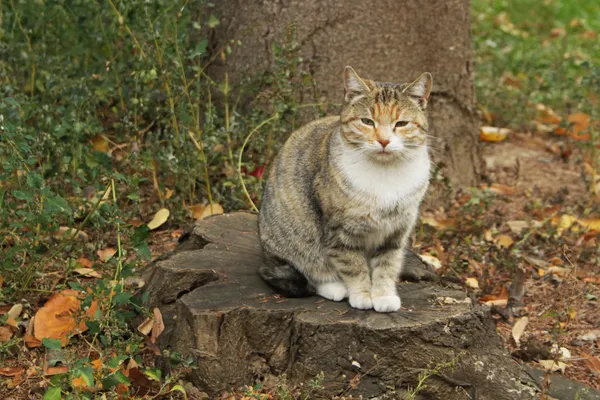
<point x="217" y="309"/>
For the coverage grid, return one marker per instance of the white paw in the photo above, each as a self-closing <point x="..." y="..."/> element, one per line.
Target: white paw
<point x="335" y="291"/>
<point x="386" y="303"/>
<point x="361" y="301"/>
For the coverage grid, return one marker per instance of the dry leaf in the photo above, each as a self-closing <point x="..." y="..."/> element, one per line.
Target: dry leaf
<point x="57" y="318"/>
<point x="493" y="134"/>
<point x="89" y="272"/>
<point x="580" y="123"/>
<point x="557" y="32"/>
<point x="553" y="366"/>
<point x="519" y="328"/>
<point x="100" y="143"/>
<point x="158" y="326"/>
<point x="208" y="211"/>
<point x="436" y="223"/>
<point x="592" y="363"/>
<point x="79" y="383"/>
<point x="160" y="218"/>
<point x="97" y="365"/>
<point x="5" y="334"/>
<point x="592" y="224"/>
<point x="169" y="193"/>
<point x="145" y="327"/>
<point x="13" y="314"/>
<point x="472" y="283"/>
<point x="559" y="271"/>
<point x="11" y="371"/>
<point x="500" y="188"/>
<point x="517" y="226"/>
<point x="503" y="241"/>
<point x="84" y="262"/>
<point x="62" y="369"/>
<point x="65" y="232"/>
<point x="546" y="115"/>
<point x="106" y="254"/>
<point x="1" y="281"/>
<point x="431" y="260"/>
<point x="500" y="299"/>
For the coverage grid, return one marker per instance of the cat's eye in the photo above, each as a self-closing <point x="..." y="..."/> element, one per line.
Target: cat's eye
<point x="400" y="124"/>
<point x="367" y="121"/>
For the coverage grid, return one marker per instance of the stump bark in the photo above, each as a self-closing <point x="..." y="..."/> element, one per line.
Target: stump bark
<point x="384" y="40"/>
<point x="217" y="309"/>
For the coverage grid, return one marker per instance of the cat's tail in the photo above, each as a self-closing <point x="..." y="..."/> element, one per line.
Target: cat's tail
<point x="285" y="279"/>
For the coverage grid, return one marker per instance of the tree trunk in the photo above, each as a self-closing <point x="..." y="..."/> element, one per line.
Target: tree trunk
<point x="384" y="40"/>
<point x="218" y="310"/>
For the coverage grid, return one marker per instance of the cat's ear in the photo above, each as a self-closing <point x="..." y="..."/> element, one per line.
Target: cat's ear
<point x="420" y="89"/>
<point x="353" y="84"/>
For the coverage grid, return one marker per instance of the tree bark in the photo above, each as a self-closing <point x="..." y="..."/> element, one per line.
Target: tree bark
<point x="384" y="40"/>
<point x="218" y="310"/>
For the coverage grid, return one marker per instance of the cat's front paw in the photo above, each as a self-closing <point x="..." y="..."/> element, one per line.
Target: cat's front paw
<point x="362" y="301"/>
<point x="335" y="291"/>
<point x="386" y="303"/>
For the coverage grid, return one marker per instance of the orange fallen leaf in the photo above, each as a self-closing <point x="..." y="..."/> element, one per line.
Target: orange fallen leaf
<point x="546" y="115"/>
<point x="581" y="122"/>
<point x="79" y="383"/>
<point x="62" y="369"/>
<point x="88" y="272"/>
<point x="500" y="188"/>
<point x="100" y="143"/>
<point x="557" y="32"/>
<point x="592" y="363"/>
<point x="106" y="254"/>
<point x="158" y="326"/>
<point x="57" y="318"/>
<point x="497" y="299"/>
<point x="11" y="371"/>
<point x="5" y="334"/>
<point x="441" y="224"/>
<point x="493" y="134"/>
<point x="503" y="241"/>
<point x="97" y="365"/>
<point x="84" y="262"/>
<point x="592" y="224"/>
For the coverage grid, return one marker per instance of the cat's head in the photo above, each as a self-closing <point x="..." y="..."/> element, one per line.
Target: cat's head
<point x="386" y="121"/>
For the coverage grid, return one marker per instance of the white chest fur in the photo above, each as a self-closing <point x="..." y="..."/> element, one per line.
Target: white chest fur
<point x="385" y="185"/>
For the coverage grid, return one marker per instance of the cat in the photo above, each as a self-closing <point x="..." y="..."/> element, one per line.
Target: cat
<point x="343" y="194"/>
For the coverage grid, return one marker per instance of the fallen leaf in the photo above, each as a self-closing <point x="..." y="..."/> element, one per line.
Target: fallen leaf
<point x="100" y="143"/>
<point x="500" y="299"/>
<point x="559" y="271"/>
<point x="557" y="32"/>
<point x="84" y="262"/>
<point x="13" y="314"/>
<point x="437" y="223"/>
<point x="431" y="260"/>
<point x="518" y="329"/>
<point x="500" y="188"/>
<point x="546" y="115"/>
<point x="5" y="334"/>
<point x="553" y="366"/>
<point x="493" y="134"/>
<point x="169" y="193"/>
<point x="592" y="224"/>
<point x="503" y="241"/>
<point x="158" y="326"/>
<point x="472" y="283"/>
<point x="106" y="254"/>
<point x="97" y="365"/>
<point x="79" y="383"/>
<point x="592" y="363"/>
<point x="57" y="318"/>
<point x="11" y="371"/>
<point x="1" y="281"/>
<point x="517" y="226"/>
<point x="160" y="218"/>
<point x="145" y="327"/>
<point x="89" y="272"/>
<point x="208" y="211"/>
<point x="62" y="369"/>
<point x="580" y="123"/>
<point x="65" y="232"/>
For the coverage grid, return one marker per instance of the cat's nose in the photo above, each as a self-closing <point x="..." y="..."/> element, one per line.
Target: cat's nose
<point x="383" y="142"/>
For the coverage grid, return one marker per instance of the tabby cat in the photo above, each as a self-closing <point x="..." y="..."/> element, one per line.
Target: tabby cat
<point x="342" y="196"/>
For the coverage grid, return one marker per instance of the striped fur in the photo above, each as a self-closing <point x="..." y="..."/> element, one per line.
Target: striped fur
<point x="343" y="194"/>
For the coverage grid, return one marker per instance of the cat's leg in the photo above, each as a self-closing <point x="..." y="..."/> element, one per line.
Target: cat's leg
<point x="351" y="266"/>
<point x="386" y="265"/>
<point x="334" y="290"/>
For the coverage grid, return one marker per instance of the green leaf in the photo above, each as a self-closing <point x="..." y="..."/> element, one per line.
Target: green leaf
<point x="58" y="204"/>
<point x="114" y="379"/>
<point x="200" y="49"/>
<point x="26" y="195"/>
<point x="85" y="373"/>
<point x="213" y="21"/>
<point x="140" y="234"/>
<point x="143" y="250"/>
<point x="121" y="298"/>
<point x="153" y="374"/>
<point x="53" y="344"/>
<point x="179" y="388"/>
<point x="93" y="326"/>
<point x="53" y="393"/>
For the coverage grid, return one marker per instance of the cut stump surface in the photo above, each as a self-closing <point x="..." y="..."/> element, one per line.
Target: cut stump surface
<point x="217" y="309"/>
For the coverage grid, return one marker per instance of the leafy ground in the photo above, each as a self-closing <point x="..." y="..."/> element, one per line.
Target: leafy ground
<point x="110" y="143"/>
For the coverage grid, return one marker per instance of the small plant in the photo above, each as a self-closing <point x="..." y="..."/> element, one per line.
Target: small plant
<point x="438" y="369"/>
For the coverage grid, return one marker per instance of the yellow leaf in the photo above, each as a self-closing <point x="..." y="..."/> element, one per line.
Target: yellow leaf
<point x="493" y="134"/>
<point x="145" y="327"/>
<point x="503" y="241"/>
<point x="553" y="366"/>
<point x="560" y="271"/>
<point x="89" y="272"/>
<point x="431" y="260"/>
<point x="100" y="143"/>
<point x="472" y="283"/>
<point x="592" y="224"/>
<point x="160" y="218"/>
<point x="206" y="212"/>
<point x="169" y="193"/>
<point x="519" y="328"/>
